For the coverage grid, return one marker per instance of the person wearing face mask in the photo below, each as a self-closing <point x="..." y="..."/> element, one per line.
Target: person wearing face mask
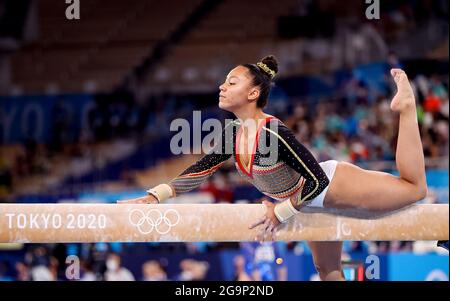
<point x="114" y="270"/>
<point x="287" y="172"/>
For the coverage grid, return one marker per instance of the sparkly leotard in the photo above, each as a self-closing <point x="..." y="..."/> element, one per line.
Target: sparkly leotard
<point x="280" y="166"/>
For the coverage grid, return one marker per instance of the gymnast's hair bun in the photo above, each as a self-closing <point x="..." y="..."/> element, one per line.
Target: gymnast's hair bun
<point x="271" y="62"/>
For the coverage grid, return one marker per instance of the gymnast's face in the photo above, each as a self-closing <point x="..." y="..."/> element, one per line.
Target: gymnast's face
<point x="238" y="90"/>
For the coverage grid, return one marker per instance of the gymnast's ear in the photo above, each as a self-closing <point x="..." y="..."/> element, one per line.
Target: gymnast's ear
<point x="253" y="94"/>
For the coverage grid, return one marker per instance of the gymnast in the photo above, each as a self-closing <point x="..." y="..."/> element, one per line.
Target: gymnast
<point x="287" y="172"/>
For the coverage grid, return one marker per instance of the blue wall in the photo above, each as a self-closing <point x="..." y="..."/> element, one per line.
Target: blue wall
<point x="34" y="116"/>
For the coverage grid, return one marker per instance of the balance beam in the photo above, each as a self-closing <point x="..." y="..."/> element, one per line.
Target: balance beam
<point x="51" y="223"/>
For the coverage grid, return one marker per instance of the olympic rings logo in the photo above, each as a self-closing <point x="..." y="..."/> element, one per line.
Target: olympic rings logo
<point x="154" y="219"/>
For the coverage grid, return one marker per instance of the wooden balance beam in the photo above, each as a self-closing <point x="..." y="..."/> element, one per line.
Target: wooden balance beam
<point x="51" y="223"/>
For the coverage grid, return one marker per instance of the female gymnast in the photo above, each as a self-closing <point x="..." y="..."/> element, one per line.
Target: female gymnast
<point x="287" y="172"/>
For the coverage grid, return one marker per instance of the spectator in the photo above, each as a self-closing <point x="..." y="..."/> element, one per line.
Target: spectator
<point x="153" y="271"/>
<point x="192" y="270"/>
<point x="41" y="273"/>
<point x="239" y="269"/>
<point x="87" y="273"/>
<point x="114" y="270"/>
<point x="23" y="272"/>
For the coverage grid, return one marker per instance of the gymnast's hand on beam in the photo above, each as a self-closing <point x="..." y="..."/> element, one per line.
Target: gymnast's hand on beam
<point x="269" y="223"/>
<point x="148" y="199"/>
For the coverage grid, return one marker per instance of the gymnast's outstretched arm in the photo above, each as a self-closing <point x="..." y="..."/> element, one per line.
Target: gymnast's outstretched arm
<point x="194" y="175"/>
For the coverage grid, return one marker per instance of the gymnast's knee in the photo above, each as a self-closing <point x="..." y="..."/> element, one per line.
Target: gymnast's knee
<point x="417" y="190"/>
<point x="421" y="192"/>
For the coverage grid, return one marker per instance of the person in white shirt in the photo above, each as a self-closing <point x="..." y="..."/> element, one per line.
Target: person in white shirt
<point x="114" y="270"/>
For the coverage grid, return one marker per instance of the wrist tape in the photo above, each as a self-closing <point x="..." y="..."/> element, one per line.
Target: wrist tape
<point x="161" y="192"/>
<point x="285" y="210"/>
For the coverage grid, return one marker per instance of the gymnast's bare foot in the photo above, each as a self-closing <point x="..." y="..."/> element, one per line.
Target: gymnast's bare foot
<point x="404" y="98"/>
